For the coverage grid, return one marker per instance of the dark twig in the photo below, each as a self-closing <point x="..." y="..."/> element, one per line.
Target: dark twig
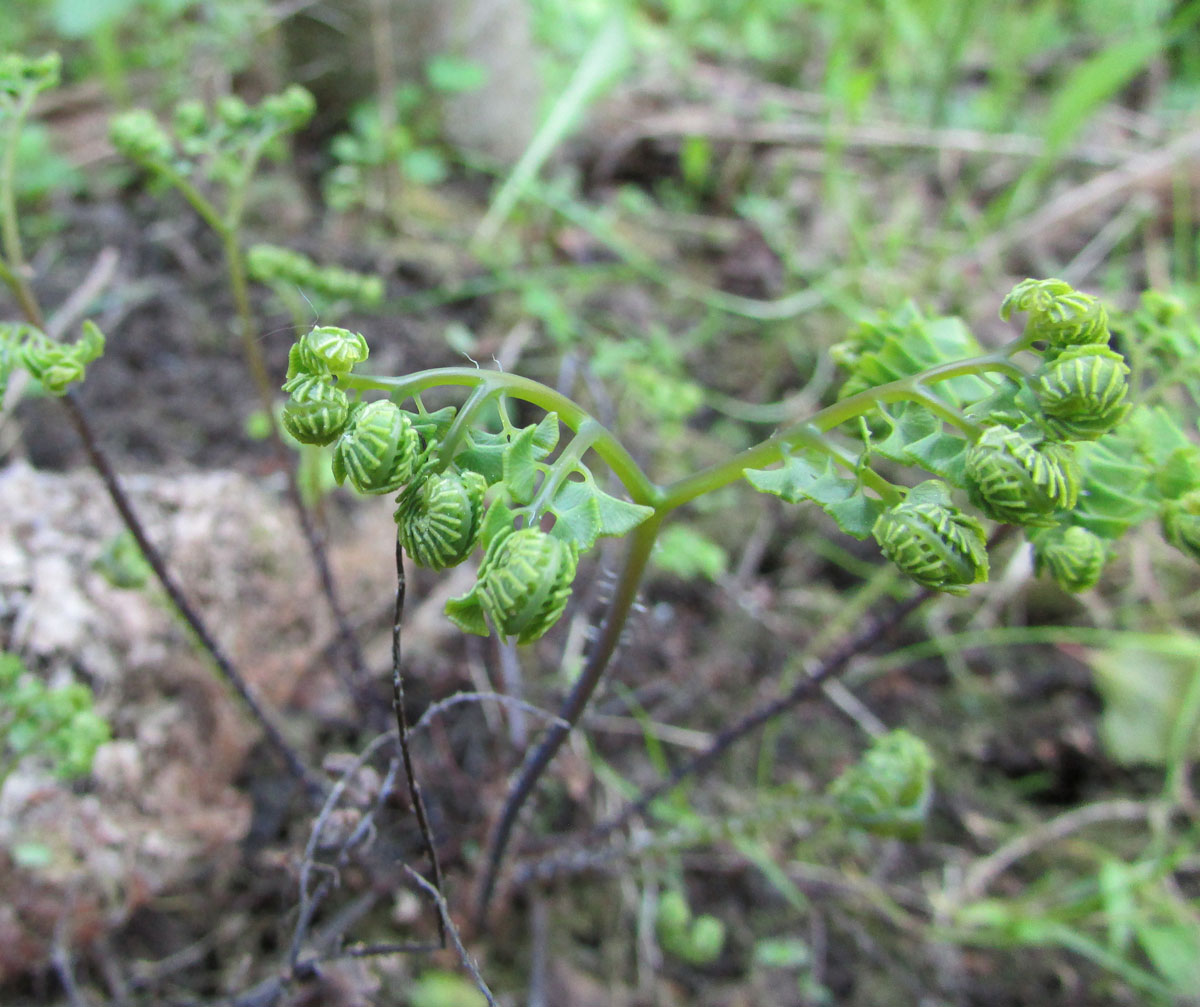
<point x="434" y="709"/>
<point x="451" y="930"/>
<point x="311" y="900"/>
<point x="414" y="788"/>
<point x="224" y="665"/>
<point x="64" y="968"/>
<point x="805" y="689"/>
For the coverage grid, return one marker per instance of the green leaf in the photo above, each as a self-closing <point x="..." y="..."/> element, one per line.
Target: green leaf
<point x="436" y="988"/>
<point x="943" y="454"/>
<point x="485" y="455"/>
<point x="525" y="450"/>
<point x="453" y="75"/>
<point x="857" y="514"/>
<point x="467" y="614"/>
<point x="1180" y="473"/>
<point x="577" y="515"/>
<point x="80" y="18"/>
<point x="585" y="513"/>
<point x="801" y="478"/>
<point x="32" y="855"/>
<point x="545" y="434"/>
<point x="1174" y="950"/>
<point x="841" y="497"/>
<point x="918" y="437"/>
<point x="433" y="426"/>
<point x="521" y="469"/>
<point x="1142" y="692"/>
<point x="1113" y="486"/>
<point x="910" y="422"/>
<point x="906" y="344"/>
<point x="1090" y="84"/>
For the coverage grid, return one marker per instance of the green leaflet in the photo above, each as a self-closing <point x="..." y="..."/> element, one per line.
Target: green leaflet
<point x="583" y="513"/>
<point x="906" y="344"/>
<point x="918" y="437"/>
<point x="1112" y="496"/>
<point x="805" y="478"/>
<point x="520" y="461"/>
<point x="495" y="455"/>
<point x="1128" y="472"/>
<point x="484" y="454"/>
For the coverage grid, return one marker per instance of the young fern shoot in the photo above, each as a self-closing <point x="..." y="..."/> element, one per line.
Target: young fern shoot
<point x="1026" y="435"/>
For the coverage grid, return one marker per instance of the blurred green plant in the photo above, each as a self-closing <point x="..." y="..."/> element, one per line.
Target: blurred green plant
<point x="697" y="940"/>
<point x="56" y="728"/>
<point x="414" y="147"/>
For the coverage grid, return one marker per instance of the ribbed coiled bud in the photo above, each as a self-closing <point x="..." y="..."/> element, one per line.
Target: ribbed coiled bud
<point x="317" y="411"/>
<point x="1082" y="392"/>
<point x="889" y="790"/>
<point x="138" y="136"/>
<point x="523" y="586"/>
<point x="59" y="365"/>
<point x="378" y="450"/>
<point x="1072" y="555"/>
<point x="438" y="518"/>
<point x="330" y="349"/>
<point x="1058" y="313"/>
<point x="1181" y="523"/>
<point x="932" y="541"/>
<point x="1017" y="480"/>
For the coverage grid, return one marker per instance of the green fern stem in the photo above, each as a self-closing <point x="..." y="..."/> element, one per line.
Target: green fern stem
<point x="13" y="269"/>
<point x="486" y="385"/>
<point x="810" y="433"/>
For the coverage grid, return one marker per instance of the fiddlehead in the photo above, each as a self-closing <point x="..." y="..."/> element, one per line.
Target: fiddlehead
<point x="327" y="350"/>
<point x="1019" y="478"/>
<point x="889" y="791"/>
<point x="1180" y="520"/>
<point x="28" y="75"/>
<point x="697" y="940"/>
<point x="438" y="518"/>
<point x="56" y="365"/>
<point x="1081" y="392"/>
<point x="1072" y="555"/>
<point x="933" y="541"/>
<point x="139" y="136"/>
<point x="317" y="411"/>
<point x="282" y="268"/>
<point x="379" y="449"/>
<point x="523" y="586"/>
<point x="1057" y="313"/>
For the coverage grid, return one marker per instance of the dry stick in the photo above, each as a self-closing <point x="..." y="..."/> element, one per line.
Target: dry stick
<point x="414" y="788"/>
<point x="224" y="665"/>
<point x="804" y="689"/>
<point x="435" y="893"/>
<point x="310" y="901"/>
